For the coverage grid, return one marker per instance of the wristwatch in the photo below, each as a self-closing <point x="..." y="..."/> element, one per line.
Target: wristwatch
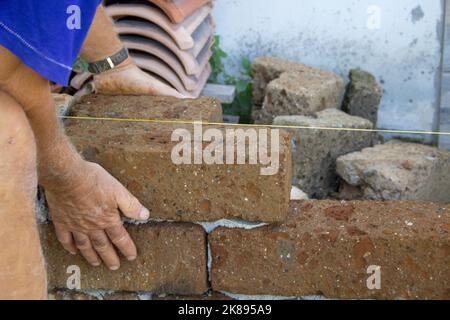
<point x="108" y="63"/>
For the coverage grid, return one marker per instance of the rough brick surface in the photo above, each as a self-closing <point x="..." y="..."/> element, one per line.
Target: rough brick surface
<point x="139" y="155"/>
<point x="315" y="151"/>
<point x="148" y="107"/>
<point x="171" y="259"/>
<point x="363" y="95"/>
<point x="266" y="69"/>
<point x="301" y="92"/>
<point x="326" y="247"/>
<point x="397" y="171"/>
<point x="261" y="116"/>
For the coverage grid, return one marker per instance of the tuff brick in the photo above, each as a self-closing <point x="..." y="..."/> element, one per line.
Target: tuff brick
<point x="139" y="155"/>
<point x="315" y="151"/>
<point x="396" y="170"/>
<point x="299" y="86"/>
<point x="266" y="69"/>
<point x="326" y="247"/>
<point x="363" y="95"/>
<point x="146" y="107"/>
<point x="171" y="259"/>
<point x="301" y="92"/>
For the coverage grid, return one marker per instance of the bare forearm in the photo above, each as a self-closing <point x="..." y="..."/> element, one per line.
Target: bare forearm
<point x="101" y="41"/>
<point x="126" y="78"/>
<point x="56" y="156"/>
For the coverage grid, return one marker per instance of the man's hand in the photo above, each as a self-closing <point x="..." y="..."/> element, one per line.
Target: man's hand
<point x="127" y="78"/>
<point x="86" y="214"/>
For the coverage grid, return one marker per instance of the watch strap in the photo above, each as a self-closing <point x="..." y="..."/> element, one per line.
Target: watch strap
<point x="108" y="63"/>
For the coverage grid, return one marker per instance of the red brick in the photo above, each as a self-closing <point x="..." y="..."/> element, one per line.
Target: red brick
<point x="139" y="155"/>
<point x="171" y="259"/>
<point x="325" y="248"/>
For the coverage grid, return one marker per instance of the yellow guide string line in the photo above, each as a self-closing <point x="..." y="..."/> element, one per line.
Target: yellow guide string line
<point x="254" y="125"/>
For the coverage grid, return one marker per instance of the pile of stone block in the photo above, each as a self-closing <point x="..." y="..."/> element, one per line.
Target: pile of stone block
<point x="333" y="149"/>
<point x="171" y="40"/>
<point x="396" y="171"/>
<point x="283" y="88"/>
<point x="278" y="247"/>
<point x="315" y="150"/>
<point x="308" y="99"/>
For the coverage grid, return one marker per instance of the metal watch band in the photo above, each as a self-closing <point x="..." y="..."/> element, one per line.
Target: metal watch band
<point x="108" y="63"/>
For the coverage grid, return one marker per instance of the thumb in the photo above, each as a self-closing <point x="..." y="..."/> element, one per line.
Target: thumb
<point x="130" y="206"/>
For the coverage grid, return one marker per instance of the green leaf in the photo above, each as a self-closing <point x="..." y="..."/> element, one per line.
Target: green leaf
<point x="246" y="65"/>
<point x="241" y="85"/>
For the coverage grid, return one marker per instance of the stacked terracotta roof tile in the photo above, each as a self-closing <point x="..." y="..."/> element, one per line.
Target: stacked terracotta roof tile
<point x="170" y="39"/>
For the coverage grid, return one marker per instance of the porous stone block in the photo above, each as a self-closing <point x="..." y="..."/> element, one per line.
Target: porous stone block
<point x="141" y="156"/>
<point x="315" y="150"/>
<point x="171" y="259"/>
<point x="301" y="93"/>
<point x="341" y="250"/>
<point x="266" y="69"/>
<point x="397" y="171"/>
<point x="363" y="95"/>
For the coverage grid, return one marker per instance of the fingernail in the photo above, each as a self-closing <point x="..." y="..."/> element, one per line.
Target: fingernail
<point x="144" y="214"/>
<point x="72" y="253"/>
<point x="131" y="258"/>
<point x="96" y="264"/>
<point x="114" y="268"/>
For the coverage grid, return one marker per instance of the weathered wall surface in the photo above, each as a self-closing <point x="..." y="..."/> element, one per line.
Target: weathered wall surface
<point x="444" y="118"/>
<point x="398" y="41"/>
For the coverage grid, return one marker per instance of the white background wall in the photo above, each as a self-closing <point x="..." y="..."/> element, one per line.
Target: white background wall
<point x="398" y="41"/>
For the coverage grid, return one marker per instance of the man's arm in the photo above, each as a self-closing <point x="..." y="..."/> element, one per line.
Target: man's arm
<point x="84" y="200"/>
<point x="102" y="42"/>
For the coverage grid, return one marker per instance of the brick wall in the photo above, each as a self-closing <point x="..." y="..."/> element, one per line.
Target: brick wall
<point x="324" y="248"/>
<point x="279" y="247"/>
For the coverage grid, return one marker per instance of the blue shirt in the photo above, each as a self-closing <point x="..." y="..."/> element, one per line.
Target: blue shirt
<point x="46" y="35"/>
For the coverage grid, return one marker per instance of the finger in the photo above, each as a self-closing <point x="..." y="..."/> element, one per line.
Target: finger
<point x="130" y="206"/>
<point x="65" y="238"/>
<point x="84" y="245"/>
<point x="105" y="249"/>
<point x="122" y="240"/>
